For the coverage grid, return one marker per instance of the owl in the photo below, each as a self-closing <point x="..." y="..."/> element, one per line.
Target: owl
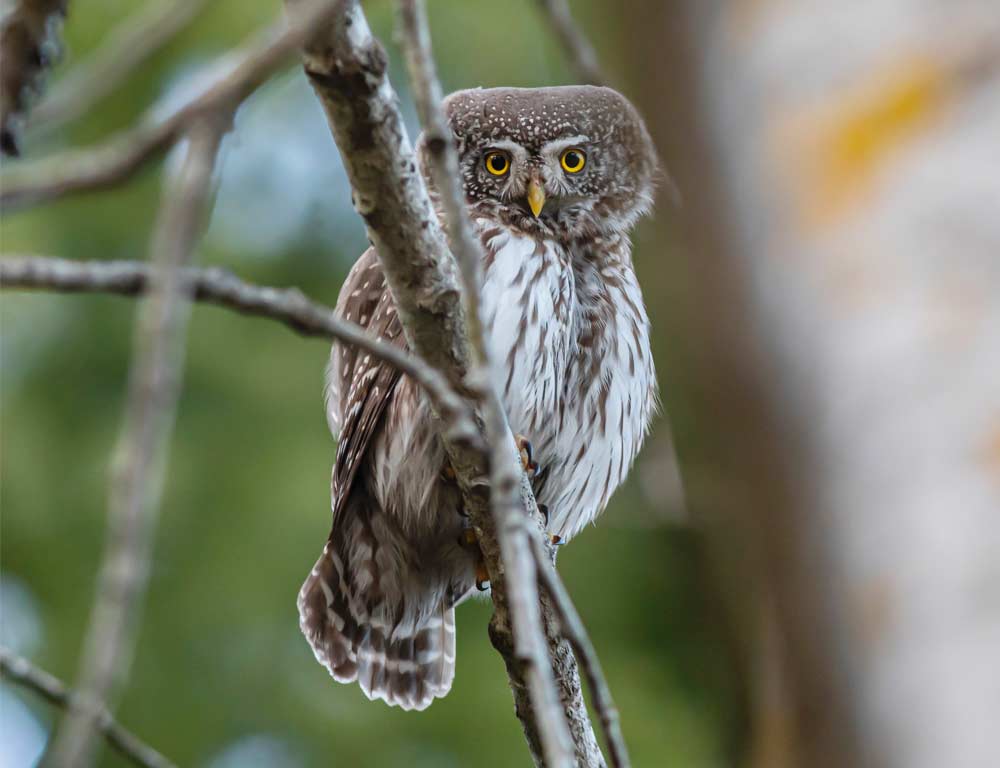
<point x="554" y="179"/>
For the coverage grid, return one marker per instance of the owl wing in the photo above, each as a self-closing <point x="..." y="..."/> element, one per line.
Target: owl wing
<point x="360" y="384"/>
<point x="347" y="607"/>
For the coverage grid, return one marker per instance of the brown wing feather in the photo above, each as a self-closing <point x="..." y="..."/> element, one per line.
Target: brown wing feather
<point x="350" y="607"/>
<point x="366" y="384"/>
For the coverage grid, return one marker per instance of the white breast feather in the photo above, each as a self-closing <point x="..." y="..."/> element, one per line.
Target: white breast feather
<point x="600" y="437"/>
<point x="529" y="346"/>
<point x="586" y="432"/>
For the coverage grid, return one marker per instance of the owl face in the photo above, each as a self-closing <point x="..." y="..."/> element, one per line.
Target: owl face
<point x="568" y="161"/>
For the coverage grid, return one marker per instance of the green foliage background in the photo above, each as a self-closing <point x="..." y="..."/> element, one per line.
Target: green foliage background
<point x="220" y="659"/>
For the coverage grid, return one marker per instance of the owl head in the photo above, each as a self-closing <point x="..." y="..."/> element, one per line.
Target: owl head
<point x="565" y="162"/>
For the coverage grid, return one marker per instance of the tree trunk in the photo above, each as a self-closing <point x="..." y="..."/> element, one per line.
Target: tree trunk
<point x="841" y="314"/>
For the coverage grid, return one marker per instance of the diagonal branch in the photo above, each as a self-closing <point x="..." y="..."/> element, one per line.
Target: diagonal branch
<point x="347" y="68"/>
<point x="140" y="456"/>
<point x="222" y="288"/>
<point x="548" y="727"/>
<point x="582" y="57"/>
<point x="127" y="46"/>
<point x="19" y="671"/>
<point x="574" y="631"/>
<point x="121" y="156"/>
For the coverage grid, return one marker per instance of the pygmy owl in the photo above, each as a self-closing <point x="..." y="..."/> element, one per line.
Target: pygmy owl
<point x="554" y="180"/>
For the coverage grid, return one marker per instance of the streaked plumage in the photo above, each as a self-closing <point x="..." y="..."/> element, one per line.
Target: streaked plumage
<point x="569" y="340"/>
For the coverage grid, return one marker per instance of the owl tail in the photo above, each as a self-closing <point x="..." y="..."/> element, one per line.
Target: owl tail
<point x="406" y="662"/>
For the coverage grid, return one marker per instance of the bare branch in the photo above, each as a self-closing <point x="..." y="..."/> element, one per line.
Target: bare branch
<point x="139" y="461"/>
<point x="121" y="156"/>
<point x="576" y="633"/>
<point x="582" y="56"/>
<point x="19" y="671"/>
<point x="544" y="721"/>
<point x="347" y="67"/>
<point x="128" y="45"/>
<point x="28" y="45"/>
<point x="222" y="288"/>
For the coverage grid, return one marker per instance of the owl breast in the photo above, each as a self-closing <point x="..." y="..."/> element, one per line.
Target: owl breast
<point x="569" y="340"/>
<point x="528" y="307"/>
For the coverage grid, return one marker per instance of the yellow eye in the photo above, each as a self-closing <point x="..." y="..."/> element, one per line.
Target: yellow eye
<point x="573" y="160"/>
<point x="497" y="163"/>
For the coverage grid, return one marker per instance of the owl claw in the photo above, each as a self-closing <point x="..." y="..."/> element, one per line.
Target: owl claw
<point x="544" y="509"/>
<point x="482" y="577"/>
<point x="447" y="473"/>
<point x="527" y="462"/>
<point x="468" y="538"/>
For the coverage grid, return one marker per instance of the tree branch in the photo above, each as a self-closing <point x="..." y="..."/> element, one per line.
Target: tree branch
<point x="582" y="57"/>
<point x="576" y="633"/>
<point x="121" y="156"/>
<point x="222" y="288"/>
<point x="139" y="461"/>
<point x="19" y="671"/>
<point x="128" y="45"/>
<point x="29" y="44"/>
<point x="544" y="722"/>
<point x="347" y="68"/>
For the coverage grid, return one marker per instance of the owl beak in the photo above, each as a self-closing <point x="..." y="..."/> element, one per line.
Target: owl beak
<point x="536" y="196"/>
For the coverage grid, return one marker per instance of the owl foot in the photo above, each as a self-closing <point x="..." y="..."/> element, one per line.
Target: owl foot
<point x="482" y="576"/>
<point x="527" y="462"/>
<point x="447" y="473"/>
<point x="554" y="538"/>
<point x="544" y="509"/>
<point x="469" y="540"/>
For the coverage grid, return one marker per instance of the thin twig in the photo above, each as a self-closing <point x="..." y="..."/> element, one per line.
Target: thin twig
<point x="139" y="461"/>
<point x="121" y="156"/>
<point x="582" y="56"/>
<point x="127" y="46"/>
<point x="220" y="287"/>
<point x="576" y="633"/>
<point x="530" y="644"/>
<point x="19" y="671"/>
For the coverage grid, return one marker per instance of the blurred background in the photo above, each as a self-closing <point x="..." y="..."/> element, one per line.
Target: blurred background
<point x="222" y="677"/>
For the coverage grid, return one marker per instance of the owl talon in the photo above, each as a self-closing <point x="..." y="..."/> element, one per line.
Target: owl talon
<point x="544" y="509"/>
<point x="527" y="462"/>
<point x="482" y="576"/>
<point x="468" y="537"/>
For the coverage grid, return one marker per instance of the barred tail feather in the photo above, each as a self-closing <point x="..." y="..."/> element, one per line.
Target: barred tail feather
<point x="406" y="662"/>
<point x="327" y="620"/>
